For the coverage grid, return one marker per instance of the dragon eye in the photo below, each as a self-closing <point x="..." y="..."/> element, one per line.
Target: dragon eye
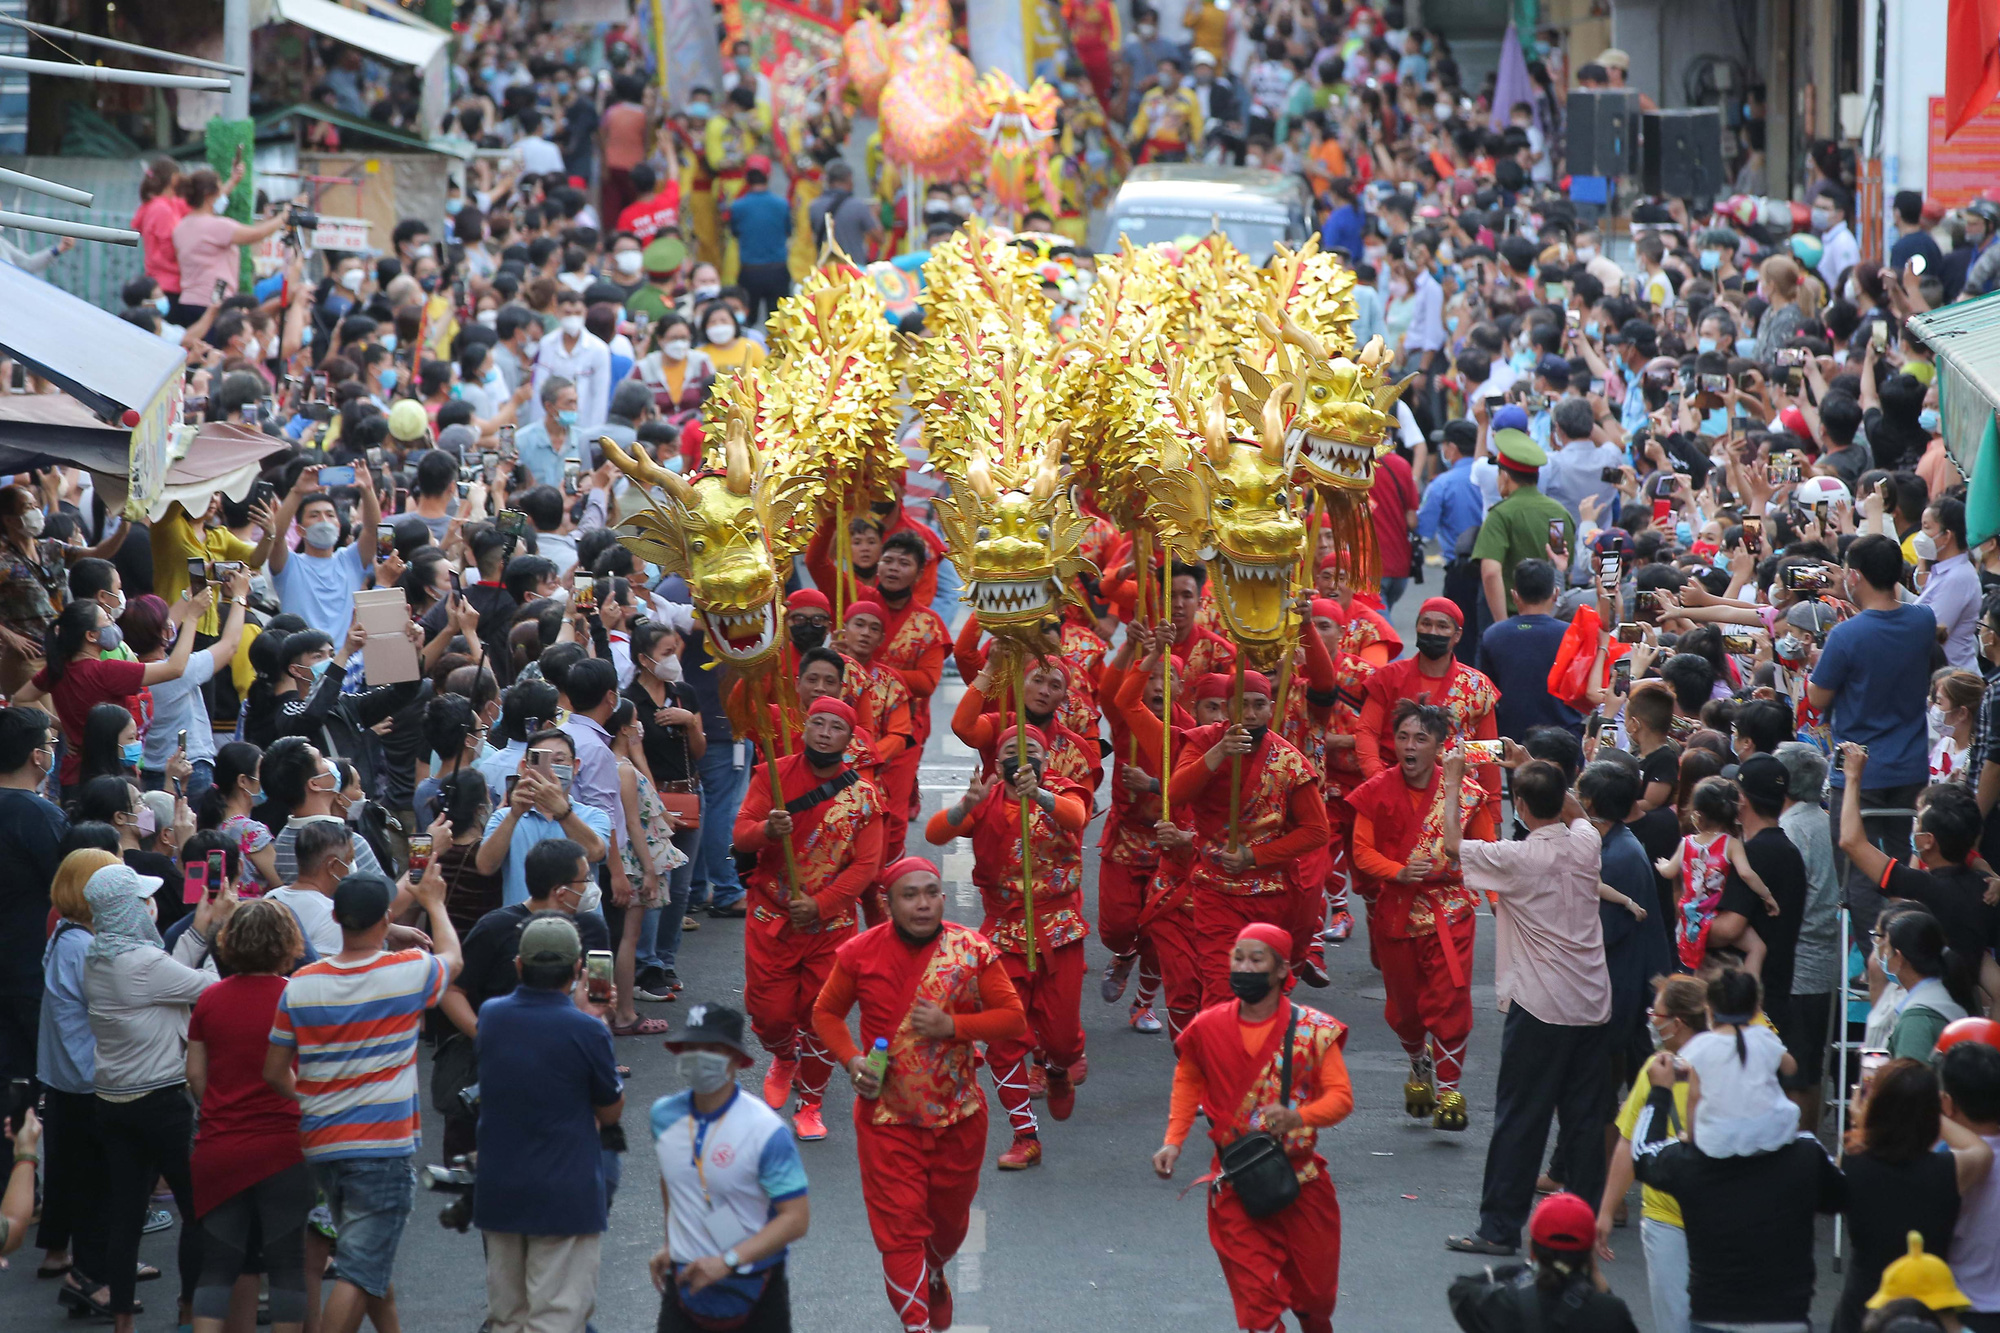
<point x="1319" y="392"/>
<point x="1224" y="502"/>
<point x="983" y="534"/>
<point x="1044" y="533"/>
<point x="697" y="545"/>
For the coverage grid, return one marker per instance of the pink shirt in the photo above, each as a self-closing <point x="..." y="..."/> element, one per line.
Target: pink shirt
<point x="155" y="222"/>
<point x="206" y="244"/>
<point x="1548" y="942"/>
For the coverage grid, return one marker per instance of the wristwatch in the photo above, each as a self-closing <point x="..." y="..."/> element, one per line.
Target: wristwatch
<point x="729" y="1257"/>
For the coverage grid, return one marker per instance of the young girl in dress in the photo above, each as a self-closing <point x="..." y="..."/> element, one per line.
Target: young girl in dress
<point x="1736" y="1105"/>
<point x="1702" y="865"/>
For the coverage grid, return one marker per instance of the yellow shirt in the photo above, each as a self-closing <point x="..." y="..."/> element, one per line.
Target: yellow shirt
<point x="1657" y="1205"/>
<point x="743" y="354"/>
<point x="1208" y="28"/>
<point x="175" y="543"/>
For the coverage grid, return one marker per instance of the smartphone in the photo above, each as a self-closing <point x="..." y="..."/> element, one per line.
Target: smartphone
<point x="572" y="473"/>
<point x="181" y="741"/>
<point x="1573" y="321"/>
<point x="1611" y="476"/>
<point x="197" y="575"/>
<point x="1663" y="512"/>
<point x="320" y="384"/>
<point x="1481" y="752"/>
<point x="1597" y="386"/>
<point x="420" y="852"/>
<point x="543" y="762"/>
<point x="490" y="461"/>
<point x="513" y="781"/>
<point x="195" y="882"/>
<point x="1873" y="1059"/>
<point x="597" y="976"/>
<point x="507" y="441"/>
<point x="510" y="523"/>
<point x="464" y="490"/>
<point x="221" y="291"/>
<point x="20" y="1100"/>
<point x="375" y="455"/>
<point x="452" y="574"/>
<point x="1806" y="578"/>
<point x="1753" y="532"/>
<point x="1823" y="513"/>
<point x="586" y="595"/>
<point x="1715" y="384"/>
<point x="216" y="873"/>
<point x="1609" y="572"/>
<point x="340" y="475"/>
<point x="1555" y="534"/>
<point x="1647" y="599"/>
<point x="1791" y="356"/>
<point x="1631" y="633"/>
<point x="1738" y="642"/>
<point x="1878" y="334"/>
<point x="385" y="538"/>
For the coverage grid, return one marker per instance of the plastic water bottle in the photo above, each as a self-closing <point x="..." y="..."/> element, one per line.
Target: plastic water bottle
<point x="876" y="1062"/>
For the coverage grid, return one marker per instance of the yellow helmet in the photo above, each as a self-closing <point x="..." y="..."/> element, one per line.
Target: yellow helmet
<point x="1924" y="1277"/>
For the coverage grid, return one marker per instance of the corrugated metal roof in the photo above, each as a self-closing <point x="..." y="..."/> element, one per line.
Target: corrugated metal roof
<point x="1965" y="338"/>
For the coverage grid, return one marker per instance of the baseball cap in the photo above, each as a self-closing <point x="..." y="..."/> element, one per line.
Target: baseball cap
<point x="1763" y="779"/>
<point x="460" y="439"/>
<point x="1612" y="58"/>
<point x="408" y="420"/>
<point x="1202" y="56"/>
<point x="361" y="900"/>
<point x="1511" y="417"/>
<point x="551" y="938"/>
<point x="711" y="1025"/>
<point x="1563" y="1222"/>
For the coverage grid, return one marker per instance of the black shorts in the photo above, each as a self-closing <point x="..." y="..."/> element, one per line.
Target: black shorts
<point x="1804" y="1035"/>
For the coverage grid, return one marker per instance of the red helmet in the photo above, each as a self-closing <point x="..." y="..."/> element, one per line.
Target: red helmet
<point x="1969" y="1029"/>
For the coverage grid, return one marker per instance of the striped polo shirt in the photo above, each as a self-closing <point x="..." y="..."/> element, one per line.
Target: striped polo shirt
<point x="355" y="1028"/>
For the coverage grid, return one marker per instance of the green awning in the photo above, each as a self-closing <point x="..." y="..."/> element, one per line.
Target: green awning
<point x="1965" y="338"/>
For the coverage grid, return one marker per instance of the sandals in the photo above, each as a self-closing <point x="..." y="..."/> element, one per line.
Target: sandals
<point x="43" y="1271"/>
<point x="82" y="1305"/>
<point x="643" y="1027"/>
<point x="146" y="1273"/>
<point x="1478" y="1244"/>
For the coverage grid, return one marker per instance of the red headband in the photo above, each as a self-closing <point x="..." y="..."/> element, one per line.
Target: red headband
<point x="1256" y="682"/>
<point x="1332" y="610"/>
<point x="1033" y="733"/>
<point x="840" y="708"/>
<point x="808" y="599"/>
<point x="1275" y="938"/>
<point x="909" y="865"/>
<point x="867" y="606"/>
<point x="1215" y="685"/>
<point x="1444" y="606"/>
<point x="1331" y="560"/>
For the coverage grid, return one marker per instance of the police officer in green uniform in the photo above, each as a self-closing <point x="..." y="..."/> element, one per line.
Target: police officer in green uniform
<point x="1520" y="526"/>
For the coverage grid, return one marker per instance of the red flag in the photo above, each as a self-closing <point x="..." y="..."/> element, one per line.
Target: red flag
<point x="1972" y="61"/>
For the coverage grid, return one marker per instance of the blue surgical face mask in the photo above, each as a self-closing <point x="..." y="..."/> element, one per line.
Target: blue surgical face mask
<point x="1451" y="325"/>
<point x="386" y="377"/>
<point x="1590" y="328"/>
<point x="700" y="109"/>
<point x="1928" y="419"/>
<point x="319" y="668"/>
<point x="162" y="304"/>
<point x="1704" y="345"/>
<point x="1683" y="533"/>
<point x="567" y="416"/>
<point x="451" y="207"/>
<point x="1711" y="260"/>
<point x="388" y="341"/>
<point x="1746" y="348"/>
<point x="131" y="753"/>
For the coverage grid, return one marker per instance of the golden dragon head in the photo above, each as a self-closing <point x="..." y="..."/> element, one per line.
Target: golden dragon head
<point x="1018" y="546"/>
<point x="1228" y="502"/>
<point x="1343" y="411"/>
<point x="1014" y="121"/>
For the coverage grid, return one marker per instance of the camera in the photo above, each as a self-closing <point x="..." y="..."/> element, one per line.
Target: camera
<point x="1806" y="578"/>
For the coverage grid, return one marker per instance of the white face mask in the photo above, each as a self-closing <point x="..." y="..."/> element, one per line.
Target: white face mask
<point x="667" y="669"/>
<point x="1585" y="253"/>
<point x="704" y="1071"/>
<point x="351" y="279"/>
<point x="33" y="521"/>
<point x="251" y="348"/>
<point x="490" y="318"/>
<point x="117" y="608"/>
<point x="707" y="291"/>
<point x="1938" y="721"/>
<point x="721" y="335"/>
<point x="675" y="349"/>
<point x="571" y="324"/>
<point x="628" y="261"/>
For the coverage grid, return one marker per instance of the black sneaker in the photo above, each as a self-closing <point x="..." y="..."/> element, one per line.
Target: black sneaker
<point x="652" y="979"/>
<point x="733" y="911"/>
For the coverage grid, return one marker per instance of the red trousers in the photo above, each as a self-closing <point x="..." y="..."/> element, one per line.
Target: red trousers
<point x="1424" y="998"/>
<point x="1218" y="918"/>
<point x="899" y="797"/>
<point x="1121" y="902"/>
<point x="1287" y="1261"/>
<point x="1340" y="822"/>
<point x="918" y="1186"/>
<point x="1053" y="996"/>
<point x="1309" y="906"/>
<point x="782" y="977"/>
<point x="1172" y="933"/>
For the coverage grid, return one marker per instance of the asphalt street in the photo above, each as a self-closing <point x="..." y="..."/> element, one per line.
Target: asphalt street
<point x="1090" y="1239"/>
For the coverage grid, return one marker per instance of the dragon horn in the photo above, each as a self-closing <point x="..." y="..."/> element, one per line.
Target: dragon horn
<point x="1252" y="403"/>
<point x="1298" y="337"/>
<point x="1385" y="398"/>
<point x="980" y="478"/>
<point x="1270" y="329"/>
<point x="1049" y="474"/>
<point x="737" y="453"/>
<point x="1215" y="428"/>
<point x="645" y="471"/>
<point x="1273" y="433"/>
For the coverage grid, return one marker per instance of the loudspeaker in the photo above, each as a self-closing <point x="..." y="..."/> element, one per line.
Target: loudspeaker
<point x="1601" y="136"/>
<point x="1681" y="153"/>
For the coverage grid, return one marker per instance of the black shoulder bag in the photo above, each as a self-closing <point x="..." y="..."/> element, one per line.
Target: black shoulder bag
<point x="1255" y="1164"/>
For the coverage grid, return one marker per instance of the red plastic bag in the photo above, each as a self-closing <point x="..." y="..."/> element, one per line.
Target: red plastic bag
<point x="1569" y="675"/>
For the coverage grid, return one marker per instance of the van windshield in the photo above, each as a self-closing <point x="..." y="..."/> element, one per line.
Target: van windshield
<point x="1256" y="237"/>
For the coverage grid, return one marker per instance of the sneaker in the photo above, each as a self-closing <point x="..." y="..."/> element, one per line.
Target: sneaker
<point x="1144" y="1020"/>
<point x="1112" y="988"/>
<point x="654" y="994"/>
<point x="808" y="1124"/>
<point x="778" y="1083"/>
<point x="734" y="912"/>
<point x="1313" y="973"/>
<point x="1079" y="1073"/>
<point x="1038" y="1082"/>
<point x="1062" y="1094"/>
<point x="1026" y="1151"/>
<point x="652" y="977"/>
<point x="157" y="1219"/>
<point x="1341" y="929"/>
<point x="940" y="1302"/>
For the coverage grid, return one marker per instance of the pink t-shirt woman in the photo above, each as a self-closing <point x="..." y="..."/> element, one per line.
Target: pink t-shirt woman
<point x="155" y="222"/>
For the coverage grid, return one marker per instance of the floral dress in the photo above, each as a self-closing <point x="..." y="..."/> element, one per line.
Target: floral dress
<point x="250" y="836"/>
<point x="658" y="836"/>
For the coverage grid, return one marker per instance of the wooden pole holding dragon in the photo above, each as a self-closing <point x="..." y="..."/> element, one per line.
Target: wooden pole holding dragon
<point x="1027" y="817"/>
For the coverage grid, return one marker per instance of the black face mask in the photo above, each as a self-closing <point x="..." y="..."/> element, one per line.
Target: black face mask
<point x="1011" y="765"/>
<point x="823" y="758"/>
<point x="1257" y="735"/>
<point x="916" y="941"/>
<point x="1250" y="987"/>
<point x="808" y="636"/>
<point x="1434" y="646"/>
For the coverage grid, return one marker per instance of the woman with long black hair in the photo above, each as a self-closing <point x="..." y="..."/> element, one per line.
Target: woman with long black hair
<point x="110" y="745"/>
<point x="1939" y="980"/>
<point x="228" y="806"/>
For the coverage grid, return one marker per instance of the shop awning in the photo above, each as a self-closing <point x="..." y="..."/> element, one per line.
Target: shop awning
<point x="95" y="356"/>
<point x="1965" y="338"/>
<point x="40" y="430"/>
<point x="398" y="43"/>
<point x="225" y="456"/>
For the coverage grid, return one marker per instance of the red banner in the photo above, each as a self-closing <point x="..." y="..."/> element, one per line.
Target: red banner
<point x="1962" y="170"/>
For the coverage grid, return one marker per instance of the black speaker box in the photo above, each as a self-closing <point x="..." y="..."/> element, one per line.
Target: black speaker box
<point x="1681" y="153"/>
<point x="1602" y="132"/>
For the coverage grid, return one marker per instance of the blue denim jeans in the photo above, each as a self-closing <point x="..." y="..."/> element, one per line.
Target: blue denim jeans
<point x="722" y="788"/>
<point x="660" y="936"/>
<point x="371" y="1199"/>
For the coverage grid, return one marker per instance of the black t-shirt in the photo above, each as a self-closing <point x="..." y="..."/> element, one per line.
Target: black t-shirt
<point x="1886" y="1201"/>
<point x="31" y="829"/>
<point x="494" y="943"/>
<point x="1956" y="896"/>
<point x="1662" y="765"/>
<point x="667" y="752"/>
<point x="1783" y="871"/>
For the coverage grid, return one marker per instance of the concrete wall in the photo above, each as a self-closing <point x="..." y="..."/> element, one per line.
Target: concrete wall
<point x="1913" y="57"/>
<point x="1663" y="36"/>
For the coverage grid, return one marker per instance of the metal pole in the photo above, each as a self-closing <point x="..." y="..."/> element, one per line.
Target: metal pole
<point x="1840" y="1077"/>
<point x="64" y="69"/>
<point x="236" y="51"/>
<point x="111" y="43"/>
<point x="65" y="193"/>
<point x="83" y="231"/>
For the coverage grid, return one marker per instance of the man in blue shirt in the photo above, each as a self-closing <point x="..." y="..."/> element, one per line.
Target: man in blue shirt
<point x="1344" y="224"/>
<point x="1454" y="503"/>
<point x="540" y="809"/>
<point x="1516" y="653"/>
<point x="762" y="225"/>
<point x="547" y="1083"/>
<point x="319" y="580"/>
<point x="1868" y="683"/>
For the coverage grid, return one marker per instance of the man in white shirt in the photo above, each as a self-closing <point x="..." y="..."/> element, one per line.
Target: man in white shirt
<point x="580" y="357"/>
<point x="1831" y="210"/>
<point x="326" y="855"/>
<point x="1426" y="331"/>
<point x="535" y="155"/>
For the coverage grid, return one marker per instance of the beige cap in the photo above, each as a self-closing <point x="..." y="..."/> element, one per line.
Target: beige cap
<point x="1613" y="58"/>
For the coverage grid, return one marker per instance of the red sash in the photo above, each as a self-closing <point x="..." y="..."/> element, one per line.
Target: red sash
<point x="1239" y="1083"/>
<point x="931" y="1082"/>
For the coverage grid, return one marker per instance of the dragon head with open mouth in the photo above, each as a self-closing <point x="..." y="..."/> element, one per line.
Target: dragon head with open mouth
<point x="1343" y="410"/>
<point x="1023" y="541"/>
<point x="1229" y="504"/>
